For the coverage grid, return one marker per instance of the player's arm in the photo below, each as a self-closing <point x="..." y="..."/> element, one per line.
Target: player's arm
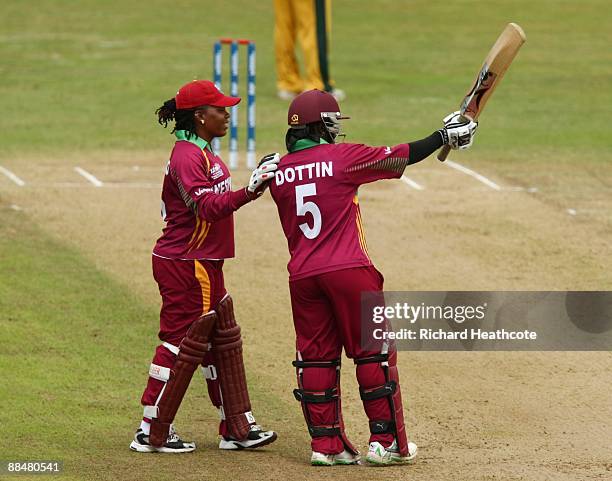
<point x="458" y="133"/>
<point x="369" y="164"/>
<point x="421" y="149"/>
<point x="198" y="191"/>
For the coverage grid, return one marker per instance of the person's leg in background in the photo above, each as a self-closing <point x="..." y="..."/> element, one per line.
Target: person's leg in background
<point x="289" y="82"/>
<point x="313" y="30"/>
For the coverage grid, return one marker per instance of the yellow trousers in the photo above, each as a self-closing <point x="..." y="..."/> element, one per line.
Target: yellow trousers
<point x="308" y="22"/>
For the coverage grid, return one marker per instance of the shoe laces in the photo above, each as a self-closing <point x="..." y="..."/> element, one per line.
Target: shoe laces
<point x="172" y="435"/>
<point x="393" y="447"/>
<point x="255" y="427"/>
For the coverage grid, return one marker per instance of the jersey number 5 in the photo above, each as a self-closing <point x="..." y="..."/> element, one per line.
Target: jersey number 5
<point x="302" y="208"/>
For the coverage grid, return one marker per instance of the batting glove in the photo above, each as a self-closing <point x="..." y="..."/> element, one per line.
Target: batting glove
<point x="458" y="131"/>
<point x="263" y="174"/>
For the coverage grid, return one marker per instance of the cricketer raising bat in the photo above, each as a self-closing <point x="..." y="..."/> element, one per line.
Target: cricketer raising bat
<point x="493" y="69"/>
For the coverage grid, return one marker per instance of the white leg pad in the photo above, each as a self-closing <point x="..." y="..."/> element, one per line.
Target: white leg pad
<point x="171" y="347"/>
<point x="150" y="412"/>
<point x="160" y="373"/>
<point x="210" y="372"/>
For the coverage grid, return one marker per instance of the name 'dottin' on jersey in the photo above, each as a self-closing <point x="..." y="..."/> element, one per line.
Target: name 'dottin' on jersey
<point x="314" y="170"/>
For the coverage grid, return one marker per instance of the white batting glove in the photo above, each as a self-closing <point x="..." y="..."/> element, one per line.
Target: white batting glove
<point x="263" y="174"/>
<point x="458" y="131"/>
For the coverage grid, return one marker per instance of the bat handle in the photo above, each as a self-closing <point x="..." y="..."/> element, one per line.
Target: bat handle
<point x="443" y="154"/>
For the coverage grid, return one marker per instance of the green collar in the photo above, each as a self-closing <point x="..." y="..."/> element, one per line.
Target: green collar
<point x="194" y="139"/>
<point x="306" y="144"/>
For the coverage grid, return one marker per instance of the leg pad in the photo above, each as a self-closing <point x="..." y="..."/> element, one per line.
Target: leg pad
<point x="389" y="390"/>
<point x="191" y="353"/>
<point x="227" y="345"/>
<point x="330" y="396"/>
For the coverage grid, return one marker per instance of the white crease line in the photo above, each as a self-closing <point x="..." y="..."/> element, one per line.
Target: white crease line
<point x="411" y="183"/>
<point x="471" y="173"/>
<point x="12" y="176"/>
<point x="135" y="185"/>
<point x="129" y="185"/>
<point x="90" y="177"/>
<point x="530" y="190"/>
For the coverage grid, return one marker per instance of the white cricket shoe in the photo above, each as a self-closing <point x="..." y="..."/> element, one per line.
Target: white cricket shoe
<point x="338" y="94"/>
<point x="343" y="458"/>
<point x="256" y="438"/>
<point x="286" y="94"/>
<point x="381" y="456"/>
<point x="174" y="444"/>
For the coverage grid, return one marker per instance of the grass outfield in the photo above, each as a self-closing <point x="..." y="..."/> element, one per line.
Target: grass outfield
<point x="75" y="350"/>
<point x="79" y="82"/>
<point x="71" y="335"/>
<point x="83" y="75"/>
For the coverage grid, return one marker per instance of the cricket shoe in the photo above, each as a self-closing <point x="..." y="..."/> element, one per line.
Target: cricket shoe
<point x="338" y="94"/>
<point x="343" y="458"/>
<point x="256" y="438"/>
<point x="174" y="444"/>
<point x="381" y="456"/>
<point x="286" y="94"/>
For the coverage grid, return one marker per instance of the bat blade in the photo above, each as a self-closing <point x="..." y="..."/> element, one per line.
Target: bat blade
<point x="495" y="65"/>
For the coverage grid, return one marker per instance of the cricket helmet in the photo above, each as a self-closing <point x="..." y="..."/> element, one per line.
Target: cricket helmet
<point x="315" y="106"/>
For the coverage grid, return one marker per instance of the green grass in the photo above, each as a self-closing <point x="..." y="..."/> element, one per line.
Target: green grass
<point x="73" y="341"/>
<point x="82" y="75"/>
<point x="85" y="76"/>
<point x="75" y="349"/>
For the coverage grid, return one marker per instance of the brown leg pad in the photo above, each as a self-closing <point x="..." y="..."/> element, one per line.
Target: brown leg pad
<point x="227" y="343"/>
<point x="192" y="350"/>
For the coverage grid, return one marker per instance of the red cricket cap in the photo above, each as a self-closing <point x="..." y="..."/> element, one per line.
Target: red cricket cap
<point x="202" y="92"/>
<point x="306" y="108"/>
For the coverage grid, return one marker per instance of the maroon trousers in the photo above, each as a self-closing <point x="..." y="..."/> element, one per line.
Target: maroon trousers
<point x="189" y="289"/>
<point x="327" y="317"/>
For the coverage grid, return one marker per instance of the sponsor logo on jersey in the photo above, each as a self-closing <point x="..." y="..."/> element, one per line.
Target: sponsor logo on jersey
<point x="202" y="190"/>
<point x="223" y="186"/>
<point x="216" y="171"/>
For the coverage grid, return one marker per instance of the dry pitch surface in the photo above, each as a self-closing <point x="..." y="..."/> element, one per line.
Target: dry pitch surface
<point x="475" y="416"/>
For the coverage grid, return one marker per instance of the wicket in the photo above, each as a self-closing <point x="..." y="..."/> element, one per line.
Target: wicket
<point x="234" y="66"/>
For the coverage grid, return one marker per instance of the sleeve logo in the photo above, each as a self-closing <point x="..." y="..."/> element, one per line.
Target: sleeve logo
<point x="216" y="171"/>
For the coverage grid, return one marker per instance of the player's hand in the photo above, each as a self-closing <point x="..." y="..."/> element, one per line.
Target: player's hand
<point x="458" y="131"/>
<point x="263" y="174"/>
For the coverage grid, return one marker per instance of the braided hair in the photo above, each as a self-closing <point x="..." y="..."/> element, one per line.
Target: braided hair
<point x="183" y="119"/>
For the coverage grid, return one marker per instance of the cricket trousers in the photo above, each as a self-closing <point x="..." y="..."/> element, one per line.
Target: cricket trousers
<point x="189" y="289"/>
<point x="327" y="317"/>
<point x="309" y="22"/>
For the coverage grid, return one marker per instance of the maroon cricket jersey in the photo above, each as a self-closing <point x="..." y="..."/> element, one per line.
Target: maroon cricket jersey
<point x="197" y="203"/>
<point x="315" y="190"/>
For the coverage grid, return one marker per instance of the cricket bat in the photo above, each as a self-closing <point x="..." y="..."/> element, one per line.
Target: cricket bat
<point x="493" y="69"/>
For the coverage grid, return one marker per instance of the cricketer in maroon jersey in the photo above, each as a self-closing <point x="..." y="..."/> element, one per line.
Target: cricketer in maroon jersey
<point x="196" y="319"/>
<point x="197" y="180"/>
<point x="315" y="191"/>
